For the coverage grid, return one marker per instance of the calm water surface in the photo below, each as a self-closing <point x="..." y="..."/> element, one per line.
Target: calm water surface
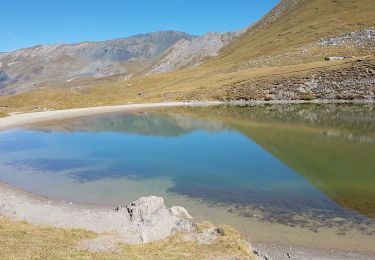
<point x="297" y="166"/>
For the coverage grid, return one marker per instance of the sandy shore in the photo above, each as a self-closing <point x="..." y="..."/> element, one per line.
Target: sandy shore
<point x="35" y="117"/>
<point x="21" y="205"/>
<point x="142" y="221"/>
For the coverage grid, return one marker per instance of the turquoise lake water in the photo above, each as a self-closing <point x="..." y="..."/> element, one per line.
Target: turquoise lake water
<point x="278" y="163"/>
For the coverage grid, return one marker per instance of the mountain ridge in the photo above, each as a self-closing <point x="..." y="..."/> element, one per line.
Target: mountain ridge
<point x="286" y="55"/>
<point x="185" y="52"/>
<point x="29" y="67"/>
<point x="149" y="53"/>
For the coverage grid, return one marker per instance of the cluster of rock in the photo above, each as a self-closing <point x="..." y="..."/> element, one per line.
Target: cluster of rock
<point x="333" y="58"/>
<point x="353" y="82"/>
<point x="359" y="43"/>
<point x="148" y="219"/>
<point x="357" y="38"/>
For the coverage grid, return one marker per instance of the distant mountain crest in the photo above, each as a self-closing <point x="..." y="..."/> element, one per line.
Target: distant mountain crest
<point x="287" y="35"/>
<point x="30" y="67"/>
<point x="192" y="51"/>
<point x="149" y="53"/>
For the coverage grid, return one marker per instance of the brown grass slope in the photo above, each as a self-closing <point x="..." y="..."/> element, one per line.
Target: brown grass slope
<point x="21" y="240"/>
<point x="294" y="23"/>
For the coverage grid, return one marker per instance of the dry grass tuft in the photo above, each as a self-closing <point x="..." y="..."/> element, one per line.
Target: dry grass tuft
<point x="20" y="240"/>
<point x="228" y="246"/>
<point x="3" y="114"/>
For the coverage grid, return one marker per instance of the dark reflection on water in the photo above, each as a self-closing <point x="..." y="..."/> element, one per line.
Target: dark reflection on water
<point x="309" y="166"/>
<point x="289" y="209"/>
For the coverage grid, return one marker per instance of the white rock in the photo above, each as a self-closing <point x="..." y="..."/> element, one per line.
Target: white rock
<point x="180" y="212"/>
<point x="150" y="220"/>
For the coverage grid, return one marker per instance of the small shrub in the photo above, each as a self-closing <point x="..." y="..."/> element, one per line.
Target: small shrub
<point x="3" y="114"/>
<point x="308" y="97"/>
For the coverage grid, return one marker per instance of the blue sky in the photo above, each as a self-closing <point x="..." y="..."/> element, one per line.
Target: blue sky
<point x="24" y="23"/>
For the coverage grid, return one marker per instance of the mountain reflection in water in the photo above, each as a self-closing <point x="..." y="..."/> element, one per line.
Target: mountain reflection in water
<point x="285" y="163"/>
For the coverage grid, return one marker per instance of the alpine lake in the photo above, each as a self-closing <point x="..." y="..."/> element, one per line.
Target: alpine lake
<point x="292" y="174"/>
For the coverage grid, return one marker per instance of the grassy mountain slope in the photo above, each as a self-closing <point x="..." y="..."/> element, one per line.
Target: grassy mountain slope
<point x="293" y="23"/>
<point x="277" y="58"/>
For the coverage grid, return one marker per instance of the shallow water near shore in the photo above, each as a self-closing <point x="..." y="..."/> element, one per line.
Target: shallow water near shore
<point x="299" y="174"/>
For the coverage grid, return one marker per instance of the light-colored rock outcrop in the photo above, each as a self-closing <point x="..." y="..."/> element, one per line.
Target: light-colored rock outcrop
<point x="144" y="220"/>
<point x="358" y="38"/>
<point x="192" y="51"/>
<point x="149" y="219"/>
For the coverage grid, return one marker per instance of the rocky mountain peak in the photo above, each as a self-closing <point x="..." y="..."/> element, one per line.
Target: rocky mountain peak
<point x="192" y="51"/>
<point x="65" y="62"/>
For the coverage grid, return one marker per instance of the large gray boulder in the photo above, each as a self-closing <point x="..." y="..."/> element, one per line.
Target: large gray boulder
<point x="149" y="220"/>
